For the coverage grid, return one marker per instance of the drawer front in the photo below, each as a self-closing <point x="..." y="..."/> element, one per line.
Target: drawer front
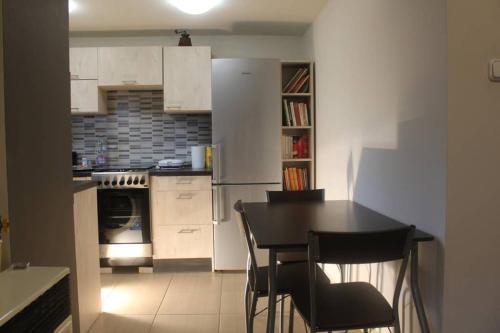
<point x="172" y="183"/>
<point x="182" y="207"/>
<point x="182" y="241"/>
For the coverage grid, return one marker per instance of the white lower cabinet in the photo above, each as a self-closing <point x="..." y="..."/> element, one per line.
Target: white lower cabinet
<point x="181" y="210"/>
<point x="183" y="241"/>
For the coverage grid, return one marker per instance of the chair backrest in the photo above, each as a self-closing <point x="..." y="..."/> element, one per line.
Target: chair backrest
<point x="291" y="196"/>
<point x="242" y="219"/>
<point x="358" y="248"/>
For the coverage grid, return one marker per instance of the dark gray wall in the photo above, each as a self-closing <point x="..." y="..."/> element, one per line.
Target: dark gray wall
<point x="38" y="135"/>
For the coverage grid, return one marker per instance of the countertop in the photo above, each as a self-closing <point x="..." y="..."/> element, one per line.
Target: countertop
<point x="180" y="172"/>
<point x="82" y="185"/>
<point x="21" y="287"/>
<point x="79" y="172"/>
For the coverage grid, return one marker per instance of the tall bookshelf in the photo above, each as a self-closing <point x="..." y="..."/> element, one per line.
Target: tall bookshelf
<point x="298" y="100"/>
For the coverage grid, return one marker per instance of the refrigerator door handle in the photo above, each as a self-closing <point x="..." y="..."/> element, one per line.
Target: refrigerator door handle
<point x="216" y="162"/>
<point x="218" y="204"/>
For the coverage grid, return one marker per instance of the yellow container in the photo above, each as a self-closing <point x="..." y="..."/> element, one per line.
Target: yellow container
<point x="208" y="157"/>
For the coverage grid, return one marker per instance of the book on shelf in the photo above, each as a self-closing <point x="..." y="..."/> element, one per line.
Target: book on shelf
<point x="295" y="113"/>
<point x="295" y="179"/>
<point x="295" y="146"/>
<point x="299" y="83"/>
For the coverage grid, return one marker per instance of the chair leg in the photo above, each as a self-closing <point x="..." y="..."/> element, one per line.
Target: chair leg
<point x="251" y="316"/>
<point x="397" y="328"/>
<point x="282" y="314"/>
<point x="290" y="320"/>
<point x="247" y="304"/>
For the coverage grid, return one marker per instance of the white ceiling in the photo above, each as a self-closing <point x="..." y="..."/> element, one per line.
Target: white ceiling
<point x="264" y="17"/>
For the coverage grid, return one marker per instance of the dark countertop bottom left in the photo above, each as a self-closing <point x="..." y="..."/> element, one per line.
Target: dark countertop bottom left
<point x="82" y="185"/>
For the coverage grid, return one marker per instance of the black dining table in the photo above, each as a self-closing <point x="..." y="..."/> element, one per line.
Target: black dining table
<point x="283" y="227"/>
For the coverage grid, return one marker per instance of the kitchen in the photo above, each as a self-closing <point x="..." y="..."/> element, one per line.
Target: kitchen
<point x="248" y="166"/>
<point x="140" y="104"/>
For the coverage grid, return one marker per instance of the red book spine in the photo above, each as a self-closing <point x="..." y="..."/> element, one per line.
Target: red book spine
<point x="305" y="146"/>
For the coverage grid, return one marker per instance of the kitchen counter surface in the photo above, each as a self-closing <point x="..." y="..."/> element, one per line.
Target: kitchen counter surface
<point x="180" y="172"/>
<point x="82" y="185"/>
<point x="81" y="172"/>
<point x="21" y="287"/>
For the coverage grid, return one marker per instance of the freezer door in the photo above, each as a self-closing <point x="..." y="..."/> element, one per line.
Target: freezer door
<point x="230" y="251"/>
<point x="246" y="120"/>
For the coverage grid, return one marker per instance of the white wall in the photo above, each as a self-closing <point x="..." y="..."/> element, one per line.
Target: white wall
<point x="227" y="46"/>
<point x="472" y="271"/>
<point x="381" y="120"/>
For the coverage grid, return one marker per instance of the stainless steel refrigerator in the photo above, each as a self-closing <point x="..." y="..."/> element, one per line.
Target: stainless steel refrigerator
<point x="246" y="131"/>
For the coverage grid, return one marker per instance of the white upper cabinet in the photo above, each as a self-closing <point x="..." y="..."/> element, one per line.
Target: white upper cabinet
<point x="187" y="81"/>
<point x="83" y="63"/>
<point x="85" y="97"/>
<point x="125" y="67"/>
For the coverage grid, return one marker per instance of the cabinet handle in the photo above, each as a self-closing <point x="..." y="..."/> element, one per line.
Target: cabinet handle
<point x="187" y="231"/>
<point x="173" y="107"/>
<point x="184" y="181"/>
<point x="75" y="109"/>
<point x="185" y="196"/>
<point x="129" y="82"/>
<point x="74" y="76"/>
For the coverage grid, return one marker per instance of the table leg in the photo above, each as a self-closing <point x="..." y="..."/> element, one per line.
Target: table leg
<point x="271" y="307"/>
<point x="415" y="290"/>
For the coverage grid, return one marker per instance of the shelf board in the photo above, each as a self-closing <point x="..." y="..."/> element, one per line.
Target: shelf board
<point x="295" y="94"/>
<point x="296" y="127"/>
<point x="297" y="160"/>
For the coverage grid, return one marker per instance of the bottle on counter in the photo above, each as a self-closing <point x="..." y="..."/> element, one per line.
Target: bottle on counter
<point x="208" y="157"/>
<point x="101" y="152"/>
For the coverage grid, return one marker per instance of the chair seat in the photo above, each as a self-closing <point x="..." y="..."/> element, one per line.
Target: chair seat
<point x="289" y="277"/>
<point x="345" y="306"/>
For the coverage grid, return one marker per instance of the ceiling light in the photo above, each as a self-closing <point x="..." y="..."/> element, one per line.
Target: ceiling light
<point x="194" y="7"/>
<point x="72" y="5"/>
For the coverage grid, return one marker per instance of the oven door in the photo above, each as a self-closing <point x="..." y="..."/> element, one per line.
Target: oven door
<point x="124" y="216"/>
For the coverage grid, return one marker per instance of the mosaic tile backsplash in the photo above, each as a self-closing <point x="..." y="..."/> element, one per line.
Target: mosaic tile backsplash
<point x="138" y="132"/>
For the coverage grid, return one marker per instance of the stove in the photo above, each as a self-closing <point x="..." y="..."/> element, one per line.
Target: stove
<point x="123" y="215"/>
<point x="121" y="177"/>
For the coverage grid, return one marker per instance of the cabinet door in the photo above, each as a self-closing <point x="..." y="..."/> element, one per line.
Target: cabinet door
<point x="182" y="207"/>
<point x="83" y="63"/>
<point x="187" y="82"/>
<point x="84" y="96"/>
<point x="130" y="66"/>
<point x="183" y="241"/>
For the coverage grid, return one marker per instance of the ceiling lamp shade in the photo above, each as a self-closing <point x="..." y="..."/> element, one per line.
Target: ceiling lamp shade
<point x="194" y="7"/>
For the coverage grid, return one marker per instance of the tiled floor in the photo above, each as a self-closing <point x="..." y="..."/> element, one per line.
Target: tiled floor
<point x="177" y="303"/>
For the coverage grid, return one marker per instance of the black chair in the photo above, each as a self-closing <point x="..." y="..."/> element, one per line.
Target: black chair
<point x="257" y="277"/>
<point x="291" y="196"/>
<point x="352" y="305"/>
<point x="294" y="196"/>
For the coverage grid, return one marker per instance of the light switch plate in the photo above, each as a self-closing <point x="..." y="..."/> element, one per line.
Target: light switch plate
<point x="494" y="70"/>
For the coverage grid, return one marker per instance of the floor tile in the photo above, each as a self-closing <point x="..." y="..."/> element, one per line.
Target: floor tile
<point x="232" y="298"/>
<point x="193" y="293"/>
<point x="186" y="324"/>
<point x="233" y="290"/>
<point x="112" y="323"/>
<point x="137" y="294"/>
<point x="108" y="282"/>
<point x="235" y="323"/>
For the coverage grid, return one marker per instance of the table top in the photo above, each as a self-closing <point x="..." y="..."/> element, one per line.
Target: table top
<point x="285" y="225"/>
